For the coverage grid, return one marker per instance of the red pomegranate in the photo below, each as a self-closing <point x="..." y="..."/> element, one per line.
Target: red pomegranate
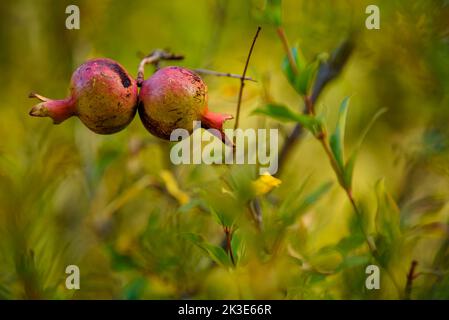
<point x="174" y="97"/>
<point x="102" y="95"/>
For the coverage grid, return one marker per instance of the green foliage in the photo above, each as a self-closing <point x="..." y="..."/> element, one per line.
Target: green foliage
<point x="282" y="113"/>
<point x="140" y="227"/>
<point x="302" y="80"/>
<point x="216" y="253"/>
<point x="388" y="236"/>
<point x="273" y="12"/>
<point x="295" y="205"/>
<point x="337" y="138"/>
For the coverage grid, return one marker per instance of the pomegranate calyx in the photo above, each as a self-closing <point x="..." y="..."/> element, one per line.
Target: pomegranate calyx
<point x="215" y="120"/>
<point x="58" y="110"/>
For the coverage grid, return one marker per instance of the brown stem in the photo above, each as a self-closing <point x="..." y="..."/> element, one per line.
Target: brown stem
<point x="281" y="33"/>
<point x="222" y="74"/>
<point x="309" y="105"/>
<point x="410" y="277"/>
<point x="228" y="234"/>
<point x="154" y="58"/>
<point x="242" y="79"/>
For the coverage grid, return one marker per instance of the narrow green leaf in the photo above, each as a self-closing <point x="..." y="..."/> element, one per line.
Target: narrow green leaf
<point x="135" y="288"/>
<point x="388" y="239"/>
<point x="350" y="164"/>
<point x="282" y="113"/>
<point x="219" y="219"/>
<point x="274" y="12"/>
<point x="293" y="196"/>
<point x="238" y="246"/>
<point x="216" y="253"/>
<point x="336" y="140"/>
<point x="305" y="77"/>
<point x="287" y="68"/>
<point x="290" y="216"/>
<point x="388" y="214"/>
<point x="301" y="82"/>
<point x="349" y="169"/>
<point x="354" y="261"/>
<point x="315" y="195"/>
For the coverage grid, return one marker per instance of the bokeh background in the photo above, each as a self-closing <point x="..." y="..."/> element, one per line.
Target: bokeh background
<point x="140" y="228"/>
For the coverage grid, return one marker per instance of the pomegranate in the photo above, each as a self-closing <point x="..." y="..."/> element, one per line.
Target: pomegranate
<point x="174" y="97"/>
<point x="102" y="95"/>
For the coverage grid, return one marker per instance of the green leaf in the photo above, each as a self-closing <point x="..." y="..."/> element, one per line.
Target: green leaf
<point x="299" y="61"/>
<point x="238" y="246"/>
<point x="315" y="195"/>
<point x="388" y="239"/>
<point x="301" y="81"/>
<point x="354" y="261"/>
<point x="387" y="215"/>
<point x="289" y="216"/>
<point x="193" y="203"/>
<point x="293" y="196"/>
<point x="135" y="289"/>
<point x="316" y="278"/>
<point x="273" y="12"/>
<point x="336" y="140"/>
<point x="305" y="77"/>
<point x="216" y="253"/>
<point x="121" y="262"/>
<point x="282" y="113"/>
<point x="354" y="240"/>
<point x="225" y="219"/>
<point x="349" y="167"/>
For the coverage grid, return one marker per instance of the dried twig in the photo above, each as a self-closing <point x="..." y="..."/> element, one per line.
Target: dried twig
<point x="242" y="79"/>
<point x="222" y="74"/>
<point x="154" y="58"/>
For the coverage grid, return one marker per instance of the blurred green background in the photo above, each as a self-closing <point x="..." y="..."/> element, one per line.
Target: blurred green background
<point x="140" y="228"/>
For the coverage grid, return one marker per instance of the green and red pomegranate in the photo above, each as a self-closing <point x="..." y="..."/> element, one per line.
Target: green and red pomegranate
<point x="102" y="95"/>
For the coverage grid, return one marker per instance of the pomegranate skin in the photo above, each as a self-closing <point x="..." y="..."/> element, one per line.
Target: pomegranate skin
<point x="172" y="98"/>
<point x="102" y="95"/>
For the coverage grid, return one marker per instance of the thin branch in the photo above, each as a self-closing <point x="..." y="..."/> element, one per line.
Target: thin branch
<point x="327" y="72"/>
<point x="288" y="51"/>
<point x="410" y="277"/>
<point x="228" y="234"/>
<point x="154" y="58"/>
<point x="242" y="79"/>
<point x="222" y="74"/>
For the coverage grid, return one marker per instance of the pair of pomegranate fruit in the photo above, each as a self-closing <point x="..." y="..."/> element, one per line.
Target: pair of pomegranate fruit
<point x="105" y="98"/>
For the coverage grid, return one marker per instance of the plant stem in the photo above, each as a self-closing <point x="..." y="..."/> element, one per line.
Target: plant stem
<point x="153" y="58"/>
<point x="281" y="33"/>
<point x="348" y="191"/>
<point x="228" y="233"/>
<point x="373" y="251"/>
<point x="222" y="74"/>
<point x="242" y="79"/>
<point x="308" y="108"/>
<point x="410" y="277"/>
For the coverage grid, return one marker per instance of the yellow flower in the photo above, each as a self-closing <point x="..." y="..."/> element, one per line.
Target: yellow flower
<point x="264" y="184"/>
